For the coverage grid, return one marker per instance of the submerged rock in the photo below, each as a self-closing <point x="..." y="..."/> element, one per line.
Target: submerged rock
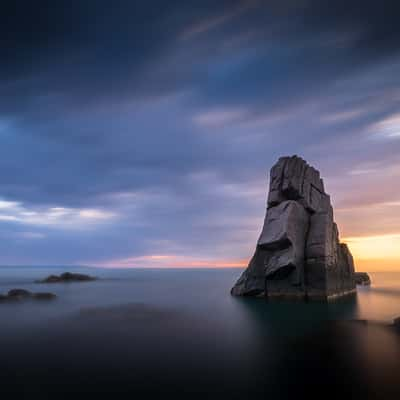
<point x="67" y="277"/>
<point x="22" y="294"/>
<point x="298" y="254"/>
<point x="44" y="296"/>
<point x="362" y="278"/>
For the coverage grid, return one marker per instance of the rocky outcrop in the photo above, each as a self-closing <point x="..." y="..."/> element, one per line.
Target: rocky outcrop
<point x="67" y="277"/>
<point x="22" y="294"/>
<point x="362" y="278"/>
<point x="396" y="324"/>
<point x="298" y="253"/>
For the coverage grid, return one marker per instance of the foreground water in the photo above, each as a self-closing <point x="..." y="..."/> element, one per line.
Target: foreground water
<point x="161" y="331"/>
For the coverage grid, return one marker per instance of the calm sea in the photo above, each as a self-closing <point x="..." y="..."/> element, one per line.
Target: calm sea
<point x="179" y="331"/>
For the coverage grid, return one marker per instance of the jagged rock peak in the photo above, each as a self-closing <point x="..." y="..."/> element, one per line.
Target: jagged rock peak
<point x="298" y="254"/>
<point x="291" y="178"/>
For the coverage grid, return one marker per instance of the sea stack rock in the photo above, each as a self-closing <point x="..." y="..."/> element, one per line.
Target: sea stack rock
<point x="298" y="254"/>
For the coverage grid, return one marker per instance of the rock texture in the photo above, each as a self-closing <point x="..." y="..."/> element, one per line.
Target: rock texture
<point x="362" y="278"/>
<point x="67" y="277"/>
<point x="298" y="254"/>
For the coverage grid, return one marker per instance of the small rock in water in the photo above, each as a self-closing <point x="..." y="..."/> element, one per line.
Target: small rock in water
<point x="362" y="278"/>
<point x="44" y="296"/>
<point x="22" y="294"/>
<point x="396" y="324"/>
<point x="67" y="277"/>
<point x="19" y="293"/>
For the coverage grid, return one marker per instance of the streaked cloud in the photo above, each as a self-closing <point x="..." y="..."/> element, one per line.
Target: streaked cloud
<point x="219" y="117"/>
<point x="58" y="217"/>
<point x="388" y="128"/>
<point x="170" y="261"/>
<point x="212" y="22"/>
<point x="32" y="235"/>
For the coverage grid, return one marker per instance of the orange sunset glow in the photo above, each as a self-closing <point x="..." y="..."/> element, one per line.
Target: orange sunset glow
<point x="375" y="253"/>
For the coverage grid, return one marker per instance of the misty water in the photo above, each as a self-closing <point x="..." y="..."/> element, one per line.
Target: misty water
<point x="180" y="331"/>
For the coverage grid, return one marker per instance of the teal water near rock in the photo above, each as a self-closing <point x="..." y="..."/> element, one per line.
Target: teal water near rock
<point x="180" y="331"/>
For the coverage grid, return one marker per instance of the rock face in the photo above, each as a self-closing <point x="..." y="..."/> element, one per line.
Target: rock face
<point x="362" y="278"/>
<point x="67" y="277"/>
<point x="298" y="254"/>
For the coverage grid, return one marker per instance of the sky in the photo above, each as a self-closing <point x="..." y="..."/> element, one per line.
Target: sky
<point x="141" y="133"/>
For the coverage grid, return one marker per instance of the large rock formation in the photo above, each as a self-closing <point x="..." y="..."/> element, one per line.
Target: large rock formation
<point x="298" y="254"/>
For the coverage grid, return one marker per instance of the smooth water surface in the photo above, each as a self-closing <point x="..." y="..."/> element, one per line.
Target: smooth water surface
<point x="180" y="330"/>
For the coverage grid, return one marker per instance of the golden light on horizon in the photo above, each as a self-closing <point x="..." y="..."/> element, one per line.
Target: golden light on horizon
<point x="375" y="253"/>
<point x="172" y="261"/>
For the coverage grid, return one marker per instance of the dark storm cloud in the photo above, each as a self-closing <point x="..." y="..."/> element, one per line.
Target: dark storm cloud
<point x="177" y="101"/>
<point x="88" y="48"/>
<point x="91" y="48"/>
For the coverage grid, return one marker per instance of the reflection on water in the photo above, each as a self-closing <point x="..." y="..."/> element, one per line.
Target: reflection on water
<point x="180" y="330"/>
<point x="280" y="317"/>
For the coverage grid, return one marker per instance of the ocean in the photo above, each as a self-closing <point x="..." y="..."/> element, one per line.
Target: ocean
<point x="178" y="331"/>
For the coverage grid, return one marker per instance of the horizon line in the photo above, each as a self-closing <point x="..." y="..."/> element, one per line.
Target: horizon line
<point x="150" y="267"/>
